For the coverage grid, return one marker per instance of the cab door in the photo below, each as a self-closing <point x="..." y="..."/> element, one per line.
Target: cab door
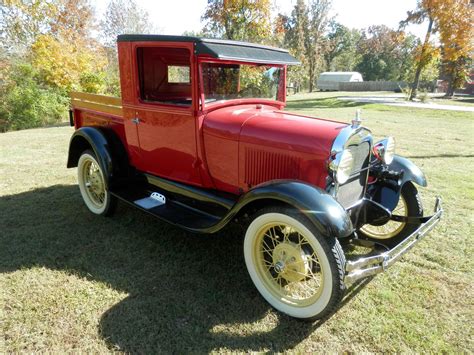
<point x="166" y="126"/>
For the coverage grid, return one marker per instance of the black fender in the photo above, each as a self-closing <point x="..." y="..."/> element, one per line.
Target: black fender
<point x="411" y="172"/>
<point x="107" y="147"/>
<point x="387" y="193"/>
<point x="326" y="214"/>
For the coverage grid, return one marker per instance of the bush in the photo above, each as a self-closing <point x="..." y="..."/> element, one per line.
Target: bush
<point x="423" y="96"/>
<point x="25" y="103"/>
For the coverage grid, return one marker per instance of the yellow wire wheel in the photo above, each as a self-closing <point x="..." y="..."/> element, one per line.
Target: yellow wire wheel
<point x="289" y="265"/>
<point x="391" y="228"/>
<point x="92" y="185"/>
<point x="392" y="233"/>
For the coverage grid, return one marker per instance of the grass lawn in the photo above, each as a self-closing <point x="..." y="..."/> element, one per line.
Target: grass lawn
<point x="71" y="281"/>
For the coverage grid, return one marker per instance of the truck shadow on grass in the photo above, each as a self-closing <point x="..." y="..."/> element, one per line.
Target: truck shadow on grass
<point x="185" y="292"/>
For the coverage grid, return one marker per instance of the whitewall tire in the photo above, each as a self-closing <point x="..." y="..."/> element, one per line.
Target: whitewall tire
<point x="92" y="185"/>
<point x="297" y="271"/>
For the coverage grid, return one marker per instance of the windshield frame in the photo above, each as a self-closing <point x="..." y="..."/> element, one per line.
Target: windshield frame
<point x="280" y="102"/>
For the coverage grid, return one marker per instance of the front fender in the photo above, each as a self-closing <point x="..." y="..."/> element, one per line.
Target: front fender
<point x="410" y="171"/>
<point x="388" y="193"/>
<point x="327" y="215"/>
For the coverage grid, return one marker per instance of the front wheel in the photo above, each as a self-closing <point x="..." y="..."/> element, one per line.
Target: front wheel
<point x="393" y="232"/>
<point x="92" y="185"/>
<point x="296" y="270"/>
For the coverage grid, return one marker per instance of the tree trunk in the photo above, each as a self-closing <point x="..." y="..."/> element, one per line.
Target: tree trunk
<point x="310" y="79"/>
<point x="450" y="89"/>
<point x="421" y="62"/>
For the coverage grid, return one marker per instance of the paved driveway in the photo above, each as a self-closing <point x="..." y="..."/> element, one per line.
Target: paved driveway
<point x="398" y="100"/>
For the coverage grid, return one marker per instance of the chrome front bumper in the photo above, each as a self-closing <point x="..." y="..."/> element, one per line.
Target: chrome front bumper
<point x="372" y="265"/>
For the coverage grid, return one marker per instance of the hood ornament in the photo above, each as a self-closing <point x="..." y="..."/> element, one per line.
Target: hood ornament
<point x="357" y="120"/>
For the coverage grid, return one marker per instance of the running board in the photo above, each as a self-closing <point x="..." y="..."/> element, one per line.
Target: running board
<point x="171" y="211"/>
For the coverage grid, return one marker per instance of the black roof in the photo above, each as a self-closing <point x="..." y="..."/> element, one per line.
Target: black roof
<point x="222" y="49"/>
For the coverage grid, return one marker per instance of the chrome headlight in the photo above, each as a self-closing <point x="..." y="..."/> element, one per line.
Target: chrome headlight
<point x="385" y="150"/>
<point x="342" y="166"/>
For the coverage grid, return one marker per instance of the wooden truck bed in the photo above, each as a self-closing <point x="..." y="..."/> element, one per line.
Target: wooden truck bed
<point x="98" y="103"/>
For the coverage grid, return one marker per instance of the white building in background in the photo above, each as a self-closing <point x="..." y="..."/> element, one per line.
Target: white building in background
<point x="330" y="80"/>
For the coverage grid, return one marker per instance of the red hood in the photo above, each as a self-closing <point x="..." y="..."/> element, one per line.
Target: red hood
<point x="269" y="127"/>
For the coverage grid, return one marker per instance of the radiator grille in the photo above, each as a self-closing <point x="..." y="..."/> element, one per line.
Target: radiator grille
<point x="261" y="166"/>
<point x="353" y="190"/>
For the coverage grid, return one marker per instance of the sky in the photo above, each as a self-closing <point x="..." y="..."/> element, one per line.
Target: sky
<point x="173" y="17"/>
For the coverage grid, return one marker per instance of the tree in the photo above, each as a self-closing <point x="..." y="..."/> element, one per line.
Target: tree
<point x="453" y="19"/>
<point x="422" y="13"/>
<point x="63" y="64"/>
<point x="124" y="16"/>
<point x="121" y="16"/>
<point x="315" y="41"/>
<point x="386" y="54"/>
<point x="341" y="53"/>
<point x="456" y="33"/>
<point x="305" y="37"/>
<point x="21" y="21"/>
<point x="245" y="20"/>
<point x="295" y="39"/>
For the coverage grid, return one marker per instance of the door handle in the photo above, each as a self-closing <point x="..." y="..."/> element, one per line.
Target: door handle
<point x="135" y="120"/>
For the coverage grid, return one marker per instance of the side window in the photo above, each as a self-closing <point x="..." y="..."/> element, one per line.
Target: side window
<point x="164" y="76"/>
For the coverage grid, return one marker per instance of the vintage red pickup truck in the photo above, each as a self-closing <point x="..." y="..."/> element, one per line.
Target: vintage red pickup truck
<point x="199" y="139"/>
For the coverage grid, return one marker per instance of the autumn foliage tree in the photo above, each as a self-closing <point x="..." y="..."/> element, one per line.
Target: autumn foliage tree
<point x="245" y="20"/>
<point x="386" y="54"/>
<point x="67" y="56"/>
<point x="50" y="51"/>
<point x="453" y="20"/>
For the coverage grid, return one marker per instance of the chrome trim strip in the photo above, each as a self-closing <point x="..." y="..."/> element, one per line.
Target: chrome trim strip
<point x="376" y="264"/>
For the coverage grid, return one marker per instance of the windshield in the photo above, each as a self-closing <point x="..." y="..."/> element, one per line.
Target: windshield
<point x="237" y="81"/>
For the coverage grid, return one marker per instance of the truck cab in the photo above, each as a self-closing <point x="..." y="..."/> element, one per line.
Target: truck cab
<point x="199" y="138"/>
<point x="171" y="88"/>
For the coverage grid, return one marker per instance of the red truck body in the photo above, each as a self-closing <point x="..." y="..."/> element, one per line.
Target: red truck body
<point x="199" y="139"/>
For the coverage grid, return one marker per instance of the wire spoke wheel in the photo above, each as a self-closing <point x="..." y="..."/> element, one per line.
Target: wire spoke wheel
<point x="297" y="270"/>
<point x="392" y="233"/>
<point x="92" y="185"/>
<point x="391" y="228"/>
<point x="288" y="264"/>
<point x="94" y="182"/>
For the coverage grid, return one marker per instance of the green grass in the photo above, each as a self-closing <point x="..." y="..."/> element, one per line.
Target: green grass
<point x="71" y="281"/>
<point x="455" y="101"/>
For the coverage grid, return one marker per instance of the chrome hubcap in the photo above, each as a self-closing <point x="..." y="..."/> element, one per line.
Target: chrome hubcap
<point x="288" y="264"/>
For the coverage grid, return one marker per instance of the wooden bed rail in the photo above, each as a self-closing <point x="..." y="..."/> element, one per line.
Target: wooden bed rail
<point x="94" y="102"/>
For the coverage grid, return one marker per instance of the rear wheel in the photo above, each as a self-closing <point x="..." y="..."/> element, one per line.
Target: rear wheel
<point x="92" y="185"/>
<point x="296" y="270"/>
<point x="393" y="232"/>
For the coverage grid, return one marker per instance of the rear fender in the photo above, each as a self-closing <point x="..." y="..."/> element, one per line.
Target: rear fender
<point x="327" y="215"/>
<point x="107" y="147"/>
